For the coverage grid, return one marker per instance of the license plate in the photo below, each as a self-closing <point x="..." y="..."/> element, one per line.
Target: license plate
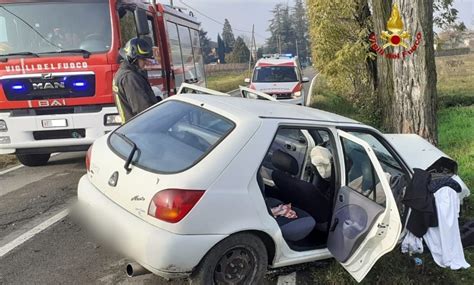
<point x="57" y="123"/>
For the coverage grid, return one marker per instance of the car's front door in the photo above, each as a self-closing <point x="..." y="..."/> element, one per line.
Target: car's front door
<point x="365" y="223"/>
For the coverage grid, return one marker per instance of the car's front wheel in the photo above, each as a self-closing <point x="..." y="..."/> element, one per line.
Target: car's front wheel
<point x="239" y="259"/>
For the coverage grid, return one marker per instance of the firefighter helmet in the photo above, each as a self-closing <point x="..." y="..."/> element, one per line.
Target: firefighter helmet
<point x="136" y="48"/>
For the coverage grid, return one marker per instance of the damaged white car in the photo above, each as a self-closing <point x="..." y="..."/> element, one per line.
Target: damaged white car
<point x="219" y="189"/>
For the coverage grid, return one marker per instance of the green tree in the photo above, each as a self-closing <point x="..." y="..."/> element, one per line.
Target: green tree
<point x="300" y="27"/>
<point x="401" y="92"/>
<point x="228" y="37"/>
<point x="240" y="54"/>
<point x="220" y="49"/>
<point x="283" y="38"/>
<point x="205" y="45"/>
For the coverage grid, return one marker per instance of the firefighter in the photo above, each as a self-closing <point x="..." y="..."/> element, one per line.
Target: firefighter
<point x="132" y="91"/>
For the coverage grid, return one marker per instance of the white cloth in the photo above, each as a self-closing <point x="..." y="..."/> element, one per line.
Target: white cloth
<point x="412" y="244"/>
<point x="465" y="191"/>
<point x="444" y="241"/>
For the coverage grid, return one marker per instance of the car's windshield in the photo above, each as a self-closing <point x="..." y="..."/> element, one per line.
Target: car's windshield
<point x="44" y="27"/>
<point x="171" y="137"/>
<point x="275" y="74"/>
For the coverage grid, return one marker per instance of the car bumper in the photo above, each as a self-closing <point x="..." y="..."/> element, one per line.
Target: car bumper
<point x="21" y="129"/>
<point x="166" y="254"/>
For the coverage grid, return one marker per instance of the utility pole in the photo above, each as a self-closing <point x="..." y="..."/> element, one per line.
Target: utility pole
<point x="171" y="3"/>
<point x="252" y="40"/>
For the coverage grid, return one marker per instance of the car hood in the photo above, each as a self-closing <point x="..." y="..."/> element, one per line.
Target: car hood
<point x="419" y="153"/>
<point x="280" y="87"/>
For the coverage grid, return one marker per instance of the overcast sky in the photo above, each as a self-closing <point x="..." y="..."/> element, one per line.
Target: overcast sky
<point x="243" y="13"/>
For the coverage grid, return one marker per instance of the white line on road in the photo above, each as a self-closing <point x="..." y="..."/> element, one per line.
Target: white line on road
<point x="19" y="166"/>
<point x="11" y="169"/>
<point x="31" y="233"/>
<point x="289" y="279"/>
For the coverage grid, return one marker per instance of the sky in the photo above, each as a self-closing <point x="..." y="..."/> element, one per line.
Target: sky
<point x="243" y="13"/>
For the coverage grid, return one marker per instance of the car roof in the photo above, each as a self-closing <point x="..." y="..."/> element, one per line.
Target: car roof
<point x="283" y="61"/>
<point x="263" y="109"/>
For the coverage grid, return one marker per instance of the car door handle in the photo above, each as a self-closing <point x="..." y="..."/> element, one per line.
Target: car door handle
<point x="341" y="198"/>
<point x="290" y="147"/>
<point x="334" y="225"/>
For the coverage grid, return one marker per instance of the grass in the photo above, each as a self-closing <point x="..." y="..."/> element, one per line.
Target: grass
<point x="456" y="138"/>
<point x="7" y="160"/>
<point x="455" y="80"/>
<point x="226" y="82"/>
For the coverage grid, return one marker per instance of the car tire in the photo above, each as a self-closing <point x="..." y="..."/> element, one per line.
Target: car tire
<point x="238" y="259"/>
<point x="33" y="160"/>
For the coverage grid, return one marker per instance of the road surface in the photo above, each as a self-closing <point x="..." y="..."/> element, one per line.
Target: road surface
<point x="41" y="244"/>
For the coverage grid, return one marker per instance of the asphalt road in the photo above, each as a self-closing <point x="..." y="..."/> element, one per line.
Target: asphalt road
<point x="63" y="253"/>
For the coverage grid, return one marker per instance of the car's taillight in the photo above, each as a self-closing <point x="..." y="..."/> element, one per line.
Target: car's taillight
<point x="172" y="205"/>
<point x="88" y="159"/>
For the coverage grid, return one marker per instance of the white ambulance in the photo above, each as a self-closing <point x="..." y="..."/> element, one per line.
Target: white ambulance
<point x="281" y="77"/>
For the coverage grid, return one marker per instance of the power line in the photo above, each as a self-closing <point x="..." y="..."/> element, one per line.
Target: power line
<point x="217" y="21"/>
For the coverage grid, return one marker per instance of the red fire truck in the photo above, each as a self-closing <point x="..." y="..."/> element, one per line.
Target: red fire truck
<point x="57" y="61"/>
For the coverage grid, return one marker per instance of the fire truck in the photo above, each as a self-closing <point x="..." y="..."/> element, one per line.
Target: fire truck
<point x="58" y="59"/>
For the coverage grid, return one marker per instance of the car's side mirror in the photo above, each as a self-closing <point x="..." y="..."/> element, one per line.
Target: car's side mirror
<point x="305" y="80"/>
<point x="247" y="80"/>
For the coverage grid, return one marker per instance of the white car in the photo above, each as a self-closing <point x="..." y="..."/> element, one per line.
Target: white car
<point x="281" y="77"/>
<point x="195" y="187"/>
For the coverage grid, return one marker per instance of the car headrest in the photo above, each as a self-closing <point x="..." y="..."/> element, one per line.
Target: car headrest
<point x="285" y="162"/>
<point x="321" y="158"/>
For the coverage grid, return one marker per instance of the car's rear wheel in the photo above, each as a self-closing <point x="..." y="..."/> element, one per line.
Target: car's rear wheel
<point x="239" y="259"/>
<point x="33" y="159"/>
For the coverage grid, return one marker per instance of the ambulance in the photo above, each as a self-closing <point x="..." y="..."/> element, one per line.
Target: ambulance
<point x="280" y="76"/>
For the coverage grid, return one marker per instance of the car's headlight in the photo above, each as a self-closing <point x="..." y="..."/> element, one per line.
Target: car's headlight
<point x="297" y="94"/>
<point x="112" y="120"/>
<point x="3" y="126"/>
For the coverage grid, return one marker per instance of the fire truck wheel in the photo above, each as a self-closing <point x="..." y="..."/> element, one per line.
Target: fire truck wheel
<point x="33" y="159"/>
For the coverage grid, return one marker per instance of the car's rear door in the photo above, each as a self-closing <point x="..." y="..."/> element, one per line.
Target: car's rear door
<point x="365" y="225"/>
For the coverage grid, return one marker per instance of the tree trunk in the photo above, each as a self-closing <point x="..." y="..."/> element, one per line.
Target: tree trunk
<point x="414" y="77"/>
<point x="407" y="86"/>
<point x="384" y="79"/>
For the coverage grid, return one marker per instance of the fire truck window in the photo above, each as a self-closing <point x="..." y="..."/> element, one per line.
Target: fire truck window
<point x="187" y="52"/>
<point x="198" y="59"/>
<point x="128" y="29"/>
<point x="44" y="27"/>
<point x="3" y="30"/>
<point x="152" y="31"/>
<point x="177" y="61"/>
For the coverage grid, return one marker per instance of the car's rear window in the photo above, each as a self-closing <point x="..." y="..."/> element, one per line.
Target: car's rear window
<point x="171" y="137"/>
<point x="275" y="74"/>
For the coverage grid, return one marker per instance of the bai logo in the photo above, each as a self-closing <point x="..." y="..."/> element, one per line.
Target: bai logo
<point x="396" y="36"/>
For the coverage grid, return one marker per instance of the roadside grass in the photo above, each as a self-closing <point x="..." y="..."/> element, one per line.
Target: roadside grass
<point x="7" y="160"/>
<point x="455" y="80"/>
<point x="456" y="138"/>
<point x="225" y="82"/>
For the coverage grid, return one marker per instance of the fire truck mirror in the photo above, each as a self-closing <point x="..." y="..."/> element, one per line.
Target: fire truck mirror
<point x="142" y="22"/>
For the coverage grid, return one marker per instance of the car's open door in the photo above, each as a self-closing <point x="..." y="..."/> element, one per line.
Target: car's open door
<point x="365" y="223"/>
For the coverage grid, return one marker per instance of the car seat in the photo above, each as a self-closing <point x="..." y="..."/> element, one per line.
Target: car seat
<point x="293" y="230"/>
<point x="301" y="194"/>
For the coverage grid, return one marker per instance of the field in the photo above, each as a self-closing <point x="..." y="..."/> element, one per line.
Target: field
<point x="456" y="138"/>
<point x="226" y="82"/>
